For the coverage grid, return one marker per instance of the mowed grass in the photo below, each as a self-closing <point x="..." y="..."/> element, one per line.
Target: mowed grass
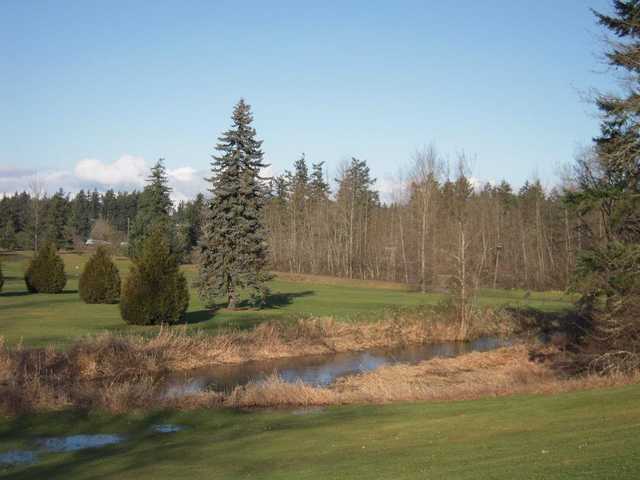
<point x="43" y="319"/>
<point x="589" y="434"/>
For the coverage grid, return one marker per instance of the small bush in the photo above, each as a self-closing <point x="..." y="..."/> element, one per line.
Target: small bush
<point x="155" y="291"/>
<point x="100" y="280"/>
<point x="45" y="273"/>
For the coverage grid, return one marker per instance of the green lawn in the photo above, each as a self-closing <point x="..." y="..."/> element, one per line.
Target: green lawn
<point x="590" y="434"/>
<point x="42" y="319"/>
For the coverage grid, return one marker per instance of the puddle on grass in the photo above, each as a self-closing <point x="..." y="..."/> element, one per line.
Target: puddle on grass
<point x="17" y="457"/>
<point x="318" y="370"/>
<point x="73" y="443"/>
<point x="167" y="428"/>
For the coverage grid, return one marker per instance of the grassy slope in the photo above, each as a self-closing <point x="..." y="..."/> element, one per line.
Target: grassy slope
<point x="590" y="434"/>
<point x="56" y="319"/>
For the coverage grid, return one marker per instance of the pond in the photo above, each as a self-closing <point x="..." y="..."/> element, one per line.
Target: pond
<point x="318" y="370"/>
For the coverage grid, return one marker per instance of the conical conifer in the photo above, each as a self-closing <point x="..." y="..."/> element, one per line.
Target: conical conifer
<point x="45" y="273"/>
<point x="155" y="291"/>
<point x="100" y="280"/>
<point x="234" y="249"/>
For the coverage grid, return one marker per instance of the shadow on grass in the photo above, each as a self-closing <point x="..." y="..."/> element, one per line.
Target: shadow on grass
<point x="22" y="293"/>
<point x="545" y="323"/>
<point x="144" y="452"/>
<point x="199" y="316"/>
<point x="274" y="301"/>
<point x="277" y="300"/>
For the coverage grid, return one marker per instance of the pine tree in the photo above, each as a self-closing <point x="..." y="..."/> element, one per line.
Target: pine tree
<point x="234" y="249"/>
<point x="100" y="280"/>
<point x="155" y="292"/>
<point x="356" y="199"/>
<point x="57" y="216"/>
<point x="81" y="215"/>
<point x="95" y="204"/>
<point x="318" y="186"/>
<point x="608" y="184"/>
<point x="45" y="272"/>
<point x="154" y="209"/>
<point x="298" y="182"/>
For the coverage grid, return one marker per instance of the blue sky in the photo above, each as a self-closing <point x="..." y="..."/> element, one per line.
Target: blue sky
<point x="93" y="92"/>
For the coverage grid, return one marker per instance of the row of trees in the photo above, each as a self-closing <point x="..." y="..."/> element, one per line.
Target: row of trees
<point x="438" y="227"/>
<point x="155" y="291"/>
<point x="28" y="219"/>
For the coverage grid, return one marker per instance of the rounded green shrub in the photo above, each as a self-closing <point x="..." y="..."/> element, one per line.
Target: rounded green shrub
<point x="45" y="273"/>
<point x="100" y="280"/>
<point x="155" y="291"/>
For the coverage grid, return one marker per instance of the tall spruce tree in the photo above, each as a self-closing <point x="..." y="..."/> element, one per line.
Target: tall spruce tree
<point x="608" y="185"/>
<point x="154" y="210"/>
<point x="234" y="249"/>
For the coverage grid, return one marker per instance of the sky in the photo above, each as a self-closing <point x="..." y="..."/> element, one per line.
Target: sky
<point x="92" y="93"/>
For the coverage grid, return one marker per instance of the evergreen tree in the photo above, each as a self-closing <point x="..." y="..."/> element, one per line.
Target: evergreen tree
<point x="45" y="272"/>
<point x="81" y="215"/>
<point x="154" y="209"/>
<point x="100" y="280"/>
<point x="188" y="220"/>
<point x="56" y="219"/>
<point x="234" y="249"/>
<point x="155" y="292"/>
<point x="608" y="183"/>
<point x="356" y="199"/>
<point x="109" y="205"/>
<point x="95" y="205"/>
<point x="318" y="187"/>
<point x="298" y="182"/>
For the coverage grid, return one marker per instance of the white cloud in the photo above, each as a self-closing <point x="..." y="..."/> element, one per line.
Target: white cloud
<point x="126" y="171"/>
<point x="182" y="174"/>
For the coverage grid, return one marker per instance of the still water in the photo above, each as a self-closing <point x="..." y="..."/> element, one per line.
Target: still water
<point x="318" y="370"/>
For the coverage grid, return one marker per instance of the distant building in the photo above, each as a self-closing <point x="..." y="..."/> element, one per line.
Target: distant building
<point x="94" y="243"/>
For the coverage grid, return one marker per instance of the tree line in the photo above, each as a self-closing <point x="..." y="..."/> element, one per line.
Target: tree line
<point x="437" y="227"/>
<point x="32" y="217"/>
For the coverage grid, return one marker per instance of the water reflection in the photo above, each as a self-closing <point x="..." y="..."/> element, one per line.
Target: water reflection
<point x="73" y="443"/>
<point x="18" y="457"/>
<point x="319" y="370"/>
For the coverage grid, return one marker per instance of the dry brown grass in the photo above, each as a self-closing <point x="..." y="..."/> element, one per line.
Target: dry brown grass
<point x="506" y="371"/>
<point x="124" y="372"/>
<point x="117" y="372"/>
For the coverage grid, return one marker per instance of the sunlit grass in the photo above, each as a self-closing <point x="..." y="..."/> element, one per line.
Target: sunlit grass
<point x="41" y="319"/>
<point x="589" y="434"/>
